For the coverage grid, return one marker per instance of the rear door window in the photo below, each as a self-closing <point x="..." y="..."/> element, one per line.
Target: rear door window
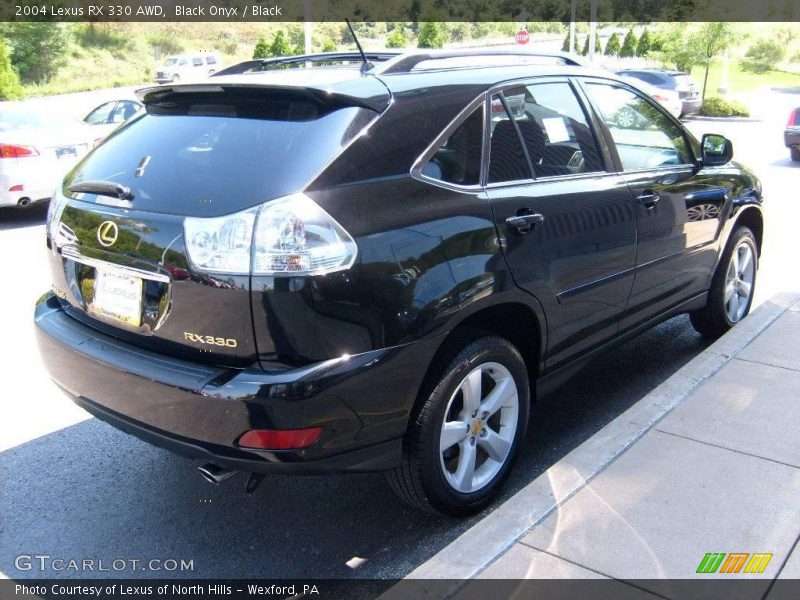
<point x="507" y="157"/>
<point x="555" y="129"/>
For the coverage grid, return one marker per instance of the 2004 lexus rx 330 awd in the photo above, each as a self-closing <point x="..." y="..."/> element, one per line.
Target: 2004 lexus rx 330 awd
<point x="364" y="268"/>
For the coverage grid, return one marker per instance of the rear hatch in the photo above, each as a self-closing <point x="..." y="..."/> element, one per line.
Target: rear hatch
<point x="197" y="151"/>
<point x="686" y="87"/>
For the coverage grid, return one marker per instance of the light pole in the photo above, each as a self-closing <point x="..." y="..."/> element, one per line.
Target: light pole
<point x="572" y="15"/>
<point x="592" y="30"/>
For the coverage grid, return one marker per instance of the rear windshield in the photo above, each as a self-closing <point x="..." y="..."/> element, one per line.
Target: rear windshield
<point x="210" y="155"/>
<point x="683" y="82"/>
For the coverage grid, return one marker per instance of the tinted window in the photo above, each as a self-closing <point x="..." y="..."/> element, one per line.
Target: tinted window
<point x="100" y="114"/>
<point x="214" y="154"/>
<point x="507" y="160"/>
<point x="125" y="110"/>
<point x="644" y="136"/>
<point x="554" y="128"/>
<point x="458" y="159"/>
<point x="197" y="61"/>
<point x="211" y="60"/>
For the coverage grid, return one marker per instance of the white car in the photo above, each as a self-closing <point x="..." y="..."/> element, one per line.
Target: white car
<point x="36" y="149"/>
<point x="108" y="116"/>
<point x="187" y="67"/>
<point x="669" y="99"/>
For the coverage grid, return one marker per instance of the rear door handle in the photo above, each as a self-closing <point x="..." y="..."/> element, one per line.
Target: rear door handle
<point x="648" y="198"/>
<point x="524" y="223"/>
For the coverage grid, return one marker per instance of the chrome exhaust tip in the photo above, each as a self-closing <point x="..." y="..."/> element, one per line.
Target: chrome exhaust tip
<point x="215" y="474"/>
<point x="23" y="202"/>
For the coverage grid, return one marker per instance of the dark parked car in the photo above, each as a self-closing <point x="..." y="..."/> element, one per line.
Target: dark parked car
<point x="791" y="136"/>
<point x="376" y="269"/>
<point x="679" y="81"/>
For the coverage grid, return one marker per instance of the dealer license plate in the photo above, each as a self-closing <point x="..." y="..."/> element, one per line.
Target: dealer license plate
<point x="118" y="296"/>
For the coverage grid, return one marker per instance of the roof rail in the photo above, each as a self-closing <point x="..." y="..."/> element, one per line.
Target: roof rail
<point x="404" y="63"/>
<point x="260" y="64"/>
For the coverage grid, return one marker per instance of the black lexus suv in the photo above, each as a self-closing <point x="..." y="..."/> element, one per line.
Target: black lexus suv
<point x="309" y="264"/>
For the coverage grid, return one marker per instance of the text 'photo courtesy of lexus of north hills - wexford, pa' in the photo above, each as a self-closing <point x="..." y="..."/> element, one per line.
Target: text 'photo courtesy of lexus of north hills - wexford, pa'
<point x="377" y="263"/>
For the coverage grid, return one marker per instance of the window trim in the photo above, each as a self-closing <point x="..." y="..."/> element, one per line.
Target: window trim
<point x="433" y="147"/>
<point x="584" y="82"/>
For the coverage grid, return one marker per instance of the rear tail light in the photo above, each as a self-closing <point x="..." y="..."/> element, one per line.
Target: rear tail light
<point x="16" y="151"/>
<point x="287" y="236"/>
<point x="792" y="118"/>
<point x="279" y="439"/>
<point x="16" y="188"/>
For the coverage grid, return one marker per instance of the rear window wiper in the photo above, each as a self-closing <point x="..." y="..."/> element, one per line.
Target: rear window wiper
<point x="103" y="188"/>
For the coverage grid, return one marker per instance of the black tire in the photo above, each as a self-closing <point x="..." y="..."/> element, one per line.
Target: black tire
<point x="795" y="154"/>
<point x="712" y="320"/>
<point x="420" y="480"/>
<point x="176" y="78"/>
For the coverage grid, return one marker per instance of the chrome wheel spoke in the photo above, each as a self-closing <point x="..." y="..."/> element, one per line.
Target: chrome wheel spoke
<point x="465" y="472"/>
<point x="471" y="391"/>
<point x="729" y="289"/>
<point x="453" y="432"/>
<point x="744" y="289"/>
<point x="734" y="307"/>
<point x="495" y="445"/>
<point x="502" y="393"/>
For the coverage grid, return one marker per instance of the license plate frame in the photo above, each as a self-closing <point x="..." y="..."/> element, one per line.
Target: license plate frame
<point x="118" y="296"/>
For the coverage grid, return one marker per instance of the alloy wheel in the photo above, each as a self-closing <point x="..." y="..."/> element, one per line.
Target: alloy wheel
<point x="739" y="282"/>
<point x="479" y="426"/>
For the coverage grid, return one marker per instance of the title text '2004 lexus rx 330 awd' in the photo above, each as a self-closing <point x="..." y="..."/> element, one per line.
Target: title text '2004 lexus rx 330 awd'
<point x="344" y="267"/>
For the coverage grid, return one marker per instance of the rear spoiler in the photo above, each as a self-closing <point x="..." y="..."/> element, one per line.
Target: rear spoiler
<point x="367" y="92"/>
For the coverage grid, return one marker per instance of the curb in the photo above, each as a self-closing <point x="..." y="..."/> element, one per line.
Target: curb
<point x="478" y="547"/>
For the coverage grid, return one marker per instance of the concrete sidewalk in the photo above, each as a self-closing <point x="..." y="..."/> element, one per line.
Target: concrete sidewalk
<point x="709" y="462"/>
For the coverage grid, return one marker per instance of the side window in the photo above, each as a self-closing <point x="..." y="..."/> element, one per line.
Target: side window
<point x="211" y="60"/>
<point x="644" y="136"/>
<point x="458" y="159"/>
<point x="555" y="130"/>
<point x="197" y="61"/>
<point x="124" y="111"/>
<point x="507" y="160"/>
<point x="100" y="114"/>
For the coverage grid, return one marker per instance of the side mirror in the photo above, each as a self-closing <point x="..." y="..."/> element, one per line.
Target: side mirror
<point x="717" y="150"/>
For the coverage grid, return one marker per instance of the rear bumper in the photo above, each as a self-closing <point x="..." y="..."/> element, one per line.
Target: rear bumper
<point x="690" y="107"/>
<point x="791" y="137"/>
<point x="362" y="402"/>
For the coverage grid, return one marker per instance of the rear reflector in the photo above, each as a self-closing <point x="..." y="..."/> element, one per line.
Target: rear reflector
<point x="16" y="188"/>
<point x="279" y="439"/>
<point x="14" y="151"/>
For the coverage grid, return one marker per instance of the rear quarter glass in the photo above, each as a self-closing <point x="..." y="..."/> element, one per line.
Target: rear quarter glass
<point x="214" y="155"/>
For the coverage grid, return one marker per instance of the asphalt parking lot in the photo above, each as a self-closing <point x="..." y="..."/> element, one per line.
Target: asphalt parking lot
<point x="73" y="487"/>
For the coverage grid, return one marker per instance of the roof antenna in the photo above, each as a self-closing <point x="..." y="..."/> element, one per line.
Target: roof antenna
<point x="367" y="65"/>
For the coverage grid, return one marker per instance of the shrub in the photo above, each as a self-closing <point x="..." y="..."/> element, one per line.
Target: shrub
<point x="629" y="46"/>
<point x="280" y="45"/>
<point x="10" y="88"/>
<point x="613" y="45"/>
<point x="261" y="49"/>
<point x="328" y="45"/>
<point x="432" y="35"/>
<point x="565" y="45"/>
<point x="719" y="107"/>
<point x="169" y="44"/>
<point x="597" y="47"/>
<point x="396" y="39"/>
<point x="763" y="56"/>
<point x="645" y="43"/>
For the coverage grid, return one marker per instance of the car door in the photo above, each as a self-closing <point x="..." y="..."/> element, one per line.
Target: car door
<point x="567" y="224"/>
<point x="678" y="209"/>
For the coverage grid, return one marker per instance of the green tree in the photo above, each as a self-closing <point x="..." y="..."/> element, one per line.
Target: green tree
<point x="613" y="45"/>
<point x="328" y="45"/>
<point x="280" y="45"/>
<point x="396" y="39"/>
<point x="597" y="47"/>
<point x="714" y="38"/>
<point x="763" y="56"/>
<point x="565" y="45"/>
<point x="432" y="34"/>
<point x="10" y="88"/>
<point x="645" y="43"/>
<point x="629" y="45"/>
<point x="262" y="48"/>
<point x="38" y="49"/>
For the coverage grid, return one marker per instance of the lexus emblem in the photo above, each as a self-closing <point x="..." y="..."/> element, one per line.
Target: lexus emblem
<point x="107" y="233"/>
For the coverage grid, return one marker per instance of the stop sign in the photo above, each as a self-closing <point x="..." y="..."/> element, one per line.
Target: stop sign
<point x="522" y="37"/>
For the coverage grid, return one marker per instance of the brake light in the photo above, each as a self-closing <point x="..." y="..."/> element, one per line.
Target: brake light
<point x="16" y="151"/>
<point x="17" y="188"/>
<point x="792" y="118"/>
<point x="279" y="439"/>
